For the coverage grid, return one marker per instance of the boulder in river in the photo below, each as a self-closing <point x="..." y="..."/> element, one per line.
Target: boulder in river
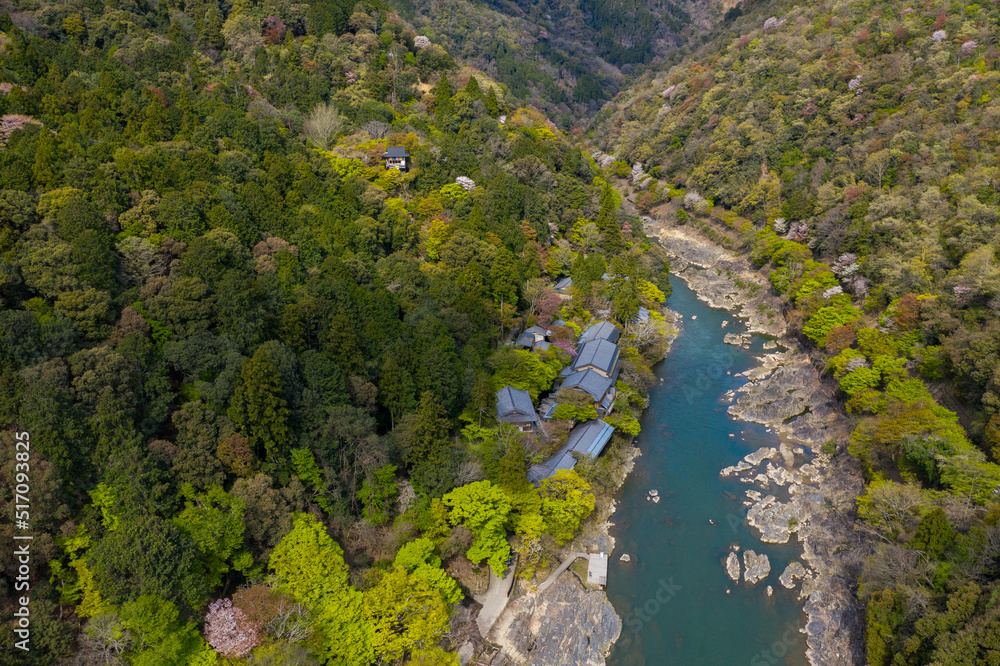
<point x="763" y="453"/>
<point x="733" y="566"/>
<point x="776" y="520"/>
<point x="742" y="466"/>
<point x="792" y="571"/>
<point x="625" y="557"/>
<point x="757" y="566"/>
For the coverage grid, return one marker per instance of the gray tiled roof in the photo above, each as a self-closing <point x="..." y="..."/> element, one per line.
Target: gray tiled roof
<point x="599" y="354"/>
<point x="602" y="330"/>
<point x="587" y="438"/>
<point x="565" y="283"/>
<point x="396" y="151"/>
<point x="590" y="437"/>
<point x="589" y="382"/>
<point x="514" y="406"/>
<point x="524" y="340"/>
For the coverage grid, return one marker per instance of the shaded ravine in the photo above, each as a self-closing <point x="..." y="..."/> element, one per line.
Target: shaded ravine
<point x="677" y="604"/>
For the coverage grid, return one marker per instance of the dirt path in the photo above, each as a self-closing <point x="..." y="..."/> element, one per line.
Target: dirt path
<point x="495" y="599"/>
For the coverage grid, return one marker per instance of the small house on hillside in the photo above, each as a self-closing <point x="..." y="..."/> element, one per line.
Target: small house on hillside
<point x="601" y="356"/>
<point x="588" y="438"/>
<point x="514" y="407"/>
<point x="396" y="157"/>
<point x="562" y="287"/>
<point x="602" y="330"/>
<point x="599" y="388"/>
<point x="533" y="338"/>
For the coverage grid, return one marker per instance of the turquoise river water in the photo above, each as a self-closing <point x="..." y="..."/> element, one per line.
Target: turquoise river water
<point x="672" y="595"/>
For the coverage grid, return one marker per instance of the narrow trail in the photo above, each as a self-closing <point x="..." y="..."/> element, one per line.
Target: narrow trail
<point x="495" y="599"/>
<point x="562" y="567"/>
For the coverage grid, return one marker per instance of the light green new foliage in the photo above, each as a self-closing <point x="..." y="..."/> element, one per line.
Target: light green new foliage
<point x="378" y="495"/>
<point x="825" y="319"/>
<point x="483" y="508"/>
<point x="309" y="566"/>
<point x="433" y="656"/>
<point x="405" y="612"/>
<point x="419" y="558"/>
<point x="858" y="379"/>
<point x="304" y="464"/>
<point x="214" y="521"/>
<point x="159" y="638"/>
<point x="566" y="500"/>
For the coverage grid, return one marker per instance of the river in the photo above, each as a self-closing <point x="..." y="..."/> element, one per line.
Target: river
<point x="672" y="595"/>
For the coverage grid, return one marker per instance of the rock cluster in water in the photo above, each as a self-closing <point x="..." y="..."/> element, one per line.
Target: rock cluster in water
<point x="733" y="566"/>
<point x="757" y="567"/>
<point x="792" y="571"/>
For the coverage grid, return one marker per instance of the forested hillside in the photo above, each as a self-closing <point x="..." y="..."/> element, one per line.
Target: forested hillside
<point x="567" y="57"/>
<point x="256" y="368"/>
<point x="851" y="149"/>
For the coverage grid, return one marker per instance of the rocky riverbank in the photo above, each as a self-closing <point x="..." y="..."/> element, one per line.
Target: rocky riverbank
<point x="570" y="623"/>
<point x="792" y="491"/>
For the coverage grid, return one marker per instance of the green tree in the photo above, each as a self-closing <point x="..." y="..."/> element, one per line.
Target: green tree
<point x="419" y="557"/>
<point x="309" y="566"/>
<point x="396" y="388"/>
<point x="378" y="494"/>
<point x="484" y="397"/>
<point x="214" y="521"/>
<point x="607" y="222"/>
<point x="405" y="613"/>
<point x="484" y="510"/>
<point x="623" y="288"/>
<point x="159" y="636"/>
<point x="259" y="410"/>
<point x="884" y="617"/>
<point x="430" y="431"/>
<point x="935" y="535"/>
<point x="566" y="500"/>
<point x="148" y="555"/>
<point x="443" y="107"/>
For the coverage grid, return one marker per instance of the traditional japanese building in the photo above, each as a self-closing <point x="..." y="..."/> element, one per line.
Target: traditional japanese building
<point x="396" y="157"/>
